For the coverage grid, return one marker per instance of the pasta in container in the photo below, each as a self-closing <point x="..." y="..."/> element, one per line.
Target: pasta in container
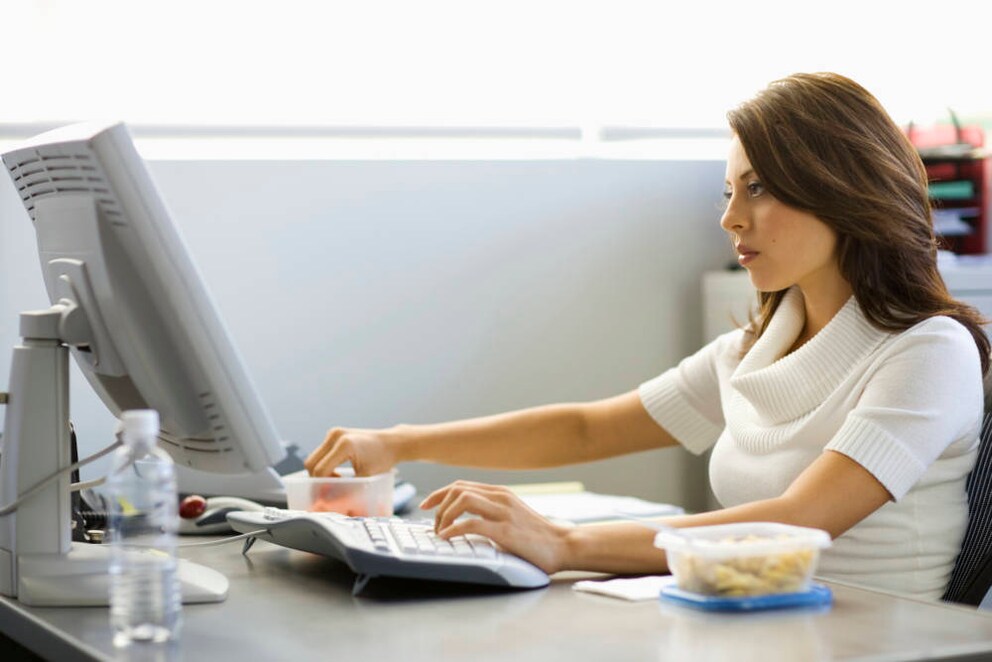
<point x="746" y="559"/>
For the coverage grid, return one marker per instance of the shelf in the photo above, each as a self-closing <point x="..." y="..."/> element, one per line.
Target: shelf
<point x="957" y="190"/>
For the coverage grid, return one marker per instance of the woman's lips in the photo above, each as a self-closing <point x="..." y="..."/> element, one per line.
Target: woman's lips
<point x="745" y="254"/>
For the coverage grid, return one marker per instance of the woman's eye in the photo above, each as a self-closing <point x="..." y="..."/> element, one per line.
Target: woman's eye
<point x="754" y="189"/>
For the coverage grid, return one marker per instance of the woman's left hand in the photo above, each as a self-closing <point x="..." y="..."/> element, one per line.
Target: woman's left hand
<point x="501" y="516"/>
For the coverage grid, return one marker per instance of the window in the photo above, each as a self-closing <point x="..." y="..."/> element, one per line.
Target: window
<point x="567" y="71"/>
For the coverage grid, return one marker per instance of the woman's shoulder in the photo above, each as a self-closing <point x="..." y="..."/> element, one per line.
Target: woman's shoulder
<point x="729" y="342"/>
<point x="727" y="349"/>
<point x="941" y="326"/>
<point x="937" y="336"/>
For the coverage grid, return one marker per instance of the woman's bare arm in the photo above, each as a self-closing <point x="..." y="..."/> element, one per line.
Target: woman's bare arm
<point x="541" y="437"/>
<point x="834" y="493"/>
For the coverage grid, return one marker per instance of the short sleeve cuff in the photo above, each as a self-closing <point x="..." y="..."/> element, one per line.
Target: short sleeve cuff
<point x="670" y="409"/>
<point x="881" y="454"/>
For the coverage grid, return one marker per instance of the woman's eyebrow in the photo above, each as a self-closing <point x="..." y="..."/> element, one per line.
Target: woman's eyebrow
<point x="744" y="175"/>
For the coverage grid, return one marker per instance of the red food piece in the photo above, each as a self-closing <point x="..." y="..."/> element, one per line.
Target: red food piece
<point x="346" y="504"/>
<point x="192" y="506"/>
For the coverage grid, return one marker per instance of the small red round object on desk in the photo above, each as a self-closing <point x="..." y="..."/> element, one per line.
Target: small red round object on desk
<point x="192" y="506"/>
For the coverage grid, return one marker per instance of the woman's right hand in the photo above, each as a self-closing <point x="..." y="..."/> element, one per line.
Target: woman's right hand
<point x="369" y="451"/>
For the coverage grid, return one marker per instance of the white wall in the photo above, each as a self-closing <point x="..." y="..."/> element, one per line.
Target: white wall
<point x="369" y="293"/>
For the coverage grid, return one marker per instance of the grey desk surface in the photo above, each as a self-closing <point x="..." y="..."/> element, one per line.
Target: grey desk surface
<point x="289" y="605"/>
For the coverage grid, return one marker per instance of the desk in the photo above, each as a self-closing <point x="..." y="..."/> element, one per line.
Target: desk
<point x="290" y="605"/>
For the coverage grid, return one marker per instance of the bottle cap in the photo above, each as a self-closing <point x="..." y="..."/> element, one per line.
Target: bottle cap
<point x="140" y="422"/>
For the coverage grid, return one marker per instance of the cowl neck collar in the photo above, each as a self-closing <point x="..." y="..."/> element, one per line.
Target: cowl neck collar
<point x="782" y="387"/>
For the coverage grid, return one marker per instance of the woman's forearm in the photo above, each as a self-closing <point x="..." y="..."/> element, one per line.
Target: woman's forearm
<point x="614" y="548"/>
<point x="537" y="438"/>
<point x="628" y="547"/>
<point x="529" y="439"/>
<point x="833" y="494"/>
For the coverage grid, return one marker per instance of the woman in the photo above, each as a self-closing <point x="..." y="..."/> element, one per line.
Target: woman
<point x="850" y="403"/>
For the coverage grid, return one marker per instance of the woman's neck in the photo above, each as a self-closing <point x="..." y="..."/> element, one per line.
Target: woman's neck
<point x="821" y="302"/>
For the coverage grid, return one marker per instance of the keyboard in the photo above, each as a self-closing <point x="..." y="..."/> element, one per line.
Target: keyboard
<point x="390" y="547"/>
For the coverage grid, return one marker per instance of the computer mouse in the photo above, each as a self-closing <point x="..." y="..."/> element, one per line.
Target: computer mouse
<point x="199" y="516"/>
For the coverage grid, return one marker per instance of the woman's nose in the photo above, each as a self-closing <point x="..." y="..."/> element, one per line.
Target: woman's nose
<point x="732" y="220"/>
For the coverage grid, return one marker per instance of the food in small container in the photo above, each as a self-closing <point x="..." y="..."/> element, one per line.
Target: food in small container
<point x="745" y="559"/>
<point x="346" y="494"/>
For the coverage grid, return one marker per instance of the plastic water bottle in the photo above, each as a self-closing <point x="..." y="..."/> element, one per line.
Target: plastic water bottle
<point x="145" y="595"/>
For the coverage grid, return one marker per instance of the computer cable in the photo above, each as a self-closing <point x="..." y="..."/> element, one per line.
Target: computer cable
<point x="85" y="485"/>
<point x="222" y="541"/>
<point x="45" y="482"/>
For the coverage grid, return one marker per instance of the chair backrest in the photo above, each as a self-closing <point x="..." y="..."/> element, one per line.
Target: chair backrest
<point x="971" y="578"/>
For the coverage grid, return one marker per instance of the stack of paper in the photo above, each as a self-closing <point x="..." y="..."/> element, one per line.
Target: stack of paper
<point x="590" y="507"/>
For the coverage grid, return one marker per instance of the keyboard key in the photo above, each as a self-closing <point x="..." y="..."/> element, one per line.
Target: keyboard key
<point x="419" y="539"/>
<point x="377" y="535"/>
<point x="483" y="547"/>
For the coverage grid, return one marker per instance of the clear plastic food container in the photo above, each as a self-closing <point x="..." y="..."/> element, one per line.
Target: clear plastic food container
<point x="746" y="559"/>
<point x="347" y="494"/>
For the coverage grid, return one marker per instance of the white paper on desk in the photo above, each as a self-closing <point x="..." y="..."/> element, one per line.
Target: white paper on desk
<point x="590" y="507"/>
<point x="633" y="588"/>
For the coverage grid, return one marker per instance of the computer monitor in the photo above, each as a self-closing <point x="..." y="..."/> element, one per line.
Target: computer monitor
<point x="129" y="304"/>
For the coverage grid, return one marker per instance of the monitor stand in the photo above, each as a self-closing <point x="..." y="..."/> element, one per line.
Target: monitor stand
<point x="39" y="563"/>
<point x="81" y="578"/>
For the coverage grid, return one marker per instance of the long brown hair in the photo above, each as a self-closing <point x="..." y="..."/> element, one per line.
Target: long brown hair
<point x="823" y="144"/>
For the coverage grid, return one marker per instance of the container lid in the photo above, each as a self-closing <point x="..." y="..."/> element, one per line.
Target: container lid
<point x="345" y="475"/>
<point x="140" y="422"/>
<point x="742" y="539"/>
<point x="817" y="595"/>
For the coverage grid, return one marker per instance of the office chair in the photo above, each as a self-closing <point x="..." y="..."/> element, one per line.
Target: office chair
<point x="971" y="578"/>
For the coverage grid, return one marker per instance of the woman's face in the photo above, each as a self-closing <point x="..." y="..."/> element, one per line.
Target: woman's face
<point x="780" y="246"/>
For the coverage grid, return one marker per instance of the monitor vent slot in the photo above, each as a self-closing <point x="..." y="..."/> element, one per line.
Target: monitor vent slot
<point x="211" y="445"/>
<point x="37" y="175"/>
<point x="220" y="437"/>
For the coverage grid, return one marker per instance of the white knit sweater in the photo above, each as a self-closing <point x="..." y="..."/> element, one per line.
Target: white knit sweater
<point x="906" y="406"/>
